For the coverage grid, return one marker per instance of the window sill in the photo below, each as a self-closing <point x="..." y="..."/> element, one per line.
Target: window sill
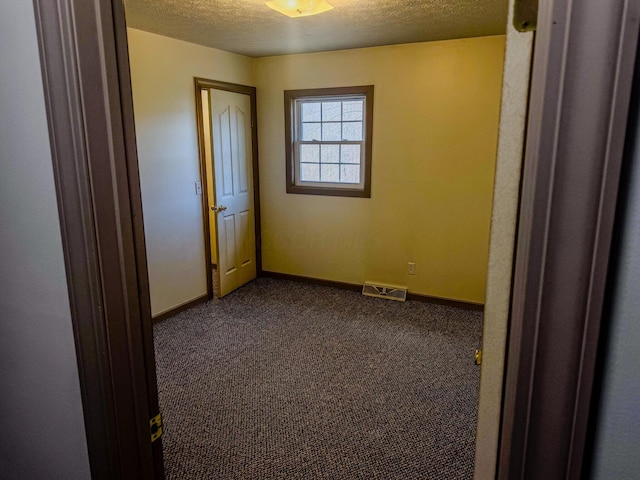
<point x="329" y="191"/>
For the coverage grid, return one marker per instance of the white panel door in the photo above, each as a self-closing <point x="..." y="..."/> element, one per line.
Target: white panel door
<point x="233" y="180"/>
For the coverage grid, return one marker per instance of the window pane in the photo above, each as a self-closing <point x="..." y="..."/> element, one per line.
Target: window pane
<point x="311" y="112"/>
<point x="350" y="154"/>
<point x="311" y="131"/>
<point x="330" y="154"/>
<point x="309" y="172"/>
<point x="352" y="131"/>
<point x="327" y="140"/>
<point x="310" y="153"/>
<point x="330" y="173"/>
<point x="352" y="110"/>
<point x="350" y="173"/>
<point x="331" y="111"/>
<point x="331" y="132"/>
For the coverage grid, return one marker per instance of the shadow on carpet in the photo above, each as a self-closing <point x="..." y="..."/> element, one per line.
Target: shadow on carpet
<point x="284" y="380"/>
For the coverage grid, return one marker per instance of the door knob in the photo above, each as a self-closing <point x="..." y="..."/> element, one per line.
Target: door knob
<point x="218" y="208"/>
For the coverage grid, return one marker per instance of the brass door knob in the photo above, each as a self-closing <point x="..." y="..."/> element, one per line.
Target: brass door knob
<point x="218" y="208"/>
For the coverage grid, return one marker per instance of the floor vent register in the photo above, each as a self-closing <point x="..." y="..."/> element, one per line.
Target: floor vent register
<point x="390" y="292"/>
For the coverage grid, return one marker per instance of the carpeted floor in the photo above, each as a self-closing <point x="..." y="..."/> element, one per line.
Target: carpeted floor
<point x="284" y="380"/>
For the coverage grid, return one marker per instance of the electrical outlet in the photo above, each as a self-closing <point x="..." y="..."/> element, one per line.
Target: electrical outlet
<point x="411" y="268"/>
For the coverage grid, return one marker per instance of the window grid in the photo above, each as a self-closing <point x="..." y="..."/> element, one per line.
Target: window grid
<point x="323" y="143"/>
<point x="344" y="133"/>
<point x="339" y="162"/>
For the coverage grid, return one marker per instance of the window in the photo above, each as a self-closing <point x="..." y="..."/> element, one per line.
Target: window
<point x="328" y="141"/>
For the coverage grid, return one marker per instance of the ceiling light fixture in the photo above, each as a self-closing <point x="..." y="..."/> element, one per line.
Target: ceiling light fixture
<point x="299" y="8"/>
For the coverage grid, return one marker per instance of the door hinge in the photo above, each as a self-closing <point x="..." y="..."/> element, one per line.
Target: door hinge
<point x="525" y="15"/>
<point x="478" y="357"/>
<point x="155" y="427"/>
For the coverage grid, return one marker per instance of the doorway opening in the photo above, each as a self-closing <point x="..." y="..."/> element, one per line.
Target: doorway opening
<point x="358" y="245"/>
<point x="228" y="152"/>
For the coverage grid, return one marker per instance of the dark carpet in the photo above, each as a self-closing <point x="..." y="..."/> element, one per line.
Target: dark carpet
<point x="284" y="380"/>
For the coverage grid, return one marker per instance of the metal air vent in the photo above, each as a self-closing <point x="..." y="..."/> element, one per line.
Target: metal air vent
<point x="390" y="292"/>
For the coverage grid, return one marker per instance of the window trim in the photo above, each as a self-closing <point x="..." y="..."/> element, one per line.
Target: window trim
<point x="332" y="189"/>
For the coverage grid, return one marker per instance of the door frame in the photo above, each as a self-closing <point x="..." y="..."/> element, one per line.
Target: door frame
<point x="204" y="84"/>
<point x="83" y="49"/>
<point x="87" y="89"/>
<point x="569" y="194"/>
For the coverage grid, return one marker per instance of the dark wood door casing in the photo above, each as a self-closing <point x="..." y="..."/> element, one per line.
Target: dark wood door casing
<point x="85" y="70"/>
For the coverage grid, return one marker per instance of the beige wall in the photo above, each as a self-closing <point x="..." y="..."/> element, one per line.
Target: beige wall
<point x="162" y="72"/>
<point x="435" y="133"/>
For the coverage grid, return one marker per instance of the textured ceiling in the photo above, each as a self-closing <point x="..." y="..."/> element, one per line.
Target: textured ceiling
<point x="250" y="28"/>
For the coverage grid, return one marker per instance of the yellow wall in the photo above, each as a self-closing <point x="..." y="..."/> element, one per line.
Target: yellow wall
<point x="435" y="131"/>
<point x="162" y="72"/>
<point x="435" y="136"/>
